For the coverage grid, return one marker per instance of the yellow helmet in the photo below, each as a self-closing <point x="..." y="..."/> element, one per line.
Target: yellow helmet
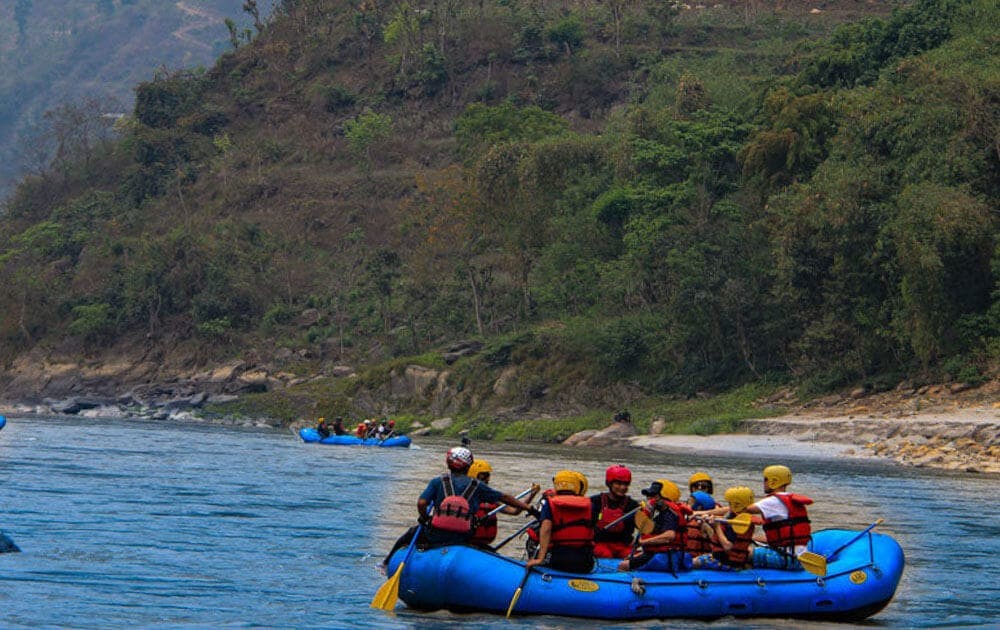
<point x="321" y="419"/>
<point x="739" y="498"/>
<point x="777" y="476"/>
<point x="666" y="489"/>
<point x="700" y="476"/>
<point x="570" y="480"/>
<point x="479" y="466"/>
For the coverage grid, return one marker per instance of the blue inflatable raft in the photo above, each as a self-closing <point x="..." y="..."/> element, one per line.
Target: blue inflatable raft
<point x="3" y="421"/>
<point x="860" y="581"/>
<point x="309" y="434"/>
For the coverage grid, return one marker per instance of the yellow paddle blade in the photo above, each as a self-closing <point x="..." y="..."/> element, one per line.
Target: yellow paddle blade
<point x="387" y="594"/>
<point x="813" y="563"/>
<point x="643" y="523"/>
<point x="513" y="601"/>
<point x="741" y="523"/>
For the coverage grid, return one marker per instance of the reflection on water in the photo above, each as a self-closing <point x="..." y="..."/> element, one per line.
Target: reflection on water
<point x="134" y="523"/>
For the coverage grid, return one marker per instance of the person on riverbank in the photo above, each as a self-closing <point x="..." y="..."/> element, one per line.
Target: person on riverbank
<point x="663" y="549"/>
<point x="731" y="551"/>
<point x="455" y="498"/>
<point x="485" y="524"/>
<point x="786" y="522"/>
<point x="607" y="507"/>
<point x="566" y="532"/>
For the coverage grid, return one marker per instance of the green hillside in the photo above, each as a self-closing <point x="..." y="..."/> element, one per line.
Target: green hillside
<point x="93" y="52"/>
<point x="606" y="193"/>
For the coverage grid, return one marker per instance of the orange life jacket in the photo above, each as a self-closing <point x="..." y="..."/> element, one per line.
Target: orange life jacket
<point x="533" y="531"/>
<point x="697" y="542"/>
<point x="794" y="530"/>
<point x="486" y="526"/>
<point x="572" y="525"/>
<point x="361" y="431"/>
<point x="739" y="556"/>
<point x="682" y="510"/>
<point x="454" y="513"/>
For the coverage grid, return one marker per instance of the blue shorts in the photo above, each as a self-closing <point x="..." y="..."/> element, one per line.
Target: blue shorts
<point x="765" y="558"/>
<point x="667" y="562"/>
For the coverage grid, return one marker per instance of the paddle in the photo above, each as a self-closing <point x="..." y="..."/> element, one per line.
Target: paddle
<point x="816" y="563"/>
<point x="516" y="534"/>
<point x="623" y="517"/>
<point x="517" y="593"/>
<point x="497" y="509"/>
<point x="740" y="523"/>
<point x="386" y="596"/>
<point x="6" y="544"/>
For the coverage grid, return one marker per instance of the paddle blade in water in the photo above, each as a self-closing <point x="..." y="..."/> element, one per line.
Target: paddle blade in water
<point x="388" y="593"/>
<point x="813" y="563"/>
<point x="513" y="601"/>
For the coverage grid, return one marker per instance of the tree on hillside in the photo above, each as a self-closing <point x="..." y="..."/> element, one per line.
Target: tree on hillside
<point x="365" y="134"/>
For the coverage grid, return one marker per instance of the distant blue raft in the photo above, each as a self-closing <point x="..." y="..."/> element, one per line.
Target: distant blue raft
<point x="860" y="581"/>
<point x="3" y="421"/>
<point x="309" y="434"/>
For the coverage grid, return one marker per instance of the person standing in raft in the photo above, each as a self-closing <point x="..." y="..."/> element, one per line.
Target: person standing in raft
<point x="663" y="549"/>
<point x="787" y="531"/>
<point x="456" y="497"/>
<point x="485" y="524"/>
<point x="608" y="507"/>
<point x="566" y="534"/>
<point x="731" y="551"/>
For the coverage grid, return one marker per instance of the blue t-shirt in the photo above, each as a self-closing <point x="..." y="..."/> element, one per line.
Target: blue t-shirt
<point x="483" y="494"/>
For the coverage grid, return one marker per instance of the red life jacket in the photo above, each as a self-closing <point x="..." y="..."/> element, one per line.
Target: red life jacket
<point x="682" y="510"/>
<point x="571" y="521"/>
<point x="609" y="514"/>
<point x="794" y="530"/>
<point x="739" y="556"/>
<point x="486" y="526"/>
<point x="454" y="513"/>
<point x="361" y="431"/>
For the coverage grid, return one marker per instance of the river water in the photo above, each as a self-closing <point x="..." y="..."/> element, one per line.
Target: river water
<point x="131" y="523"/>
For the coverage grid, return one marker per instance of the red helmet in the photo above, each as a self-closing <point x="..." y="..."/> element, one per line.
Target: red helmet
<point x="617" y="473"/>
<point x="392" y="423"/>
<point x="459" y="458"/>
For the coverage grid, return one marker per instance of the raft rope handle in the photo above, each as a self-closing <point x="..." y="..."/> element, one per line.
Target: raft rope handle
<point x="761" y="583"/>
<point x="820" y="582"/>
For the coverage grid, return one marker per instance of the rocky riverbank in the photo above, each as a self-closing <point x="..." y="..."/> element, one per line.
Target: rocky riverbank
<point x="951" y="427"/>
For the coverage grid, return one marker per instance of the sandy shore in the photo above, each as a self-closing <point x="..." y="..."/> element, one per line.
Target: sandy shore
<point x="965" y="439"/>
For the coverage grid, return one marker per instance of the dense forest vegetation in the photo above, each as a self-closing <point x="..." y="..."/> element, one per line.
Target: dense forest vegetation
<point x="631" y="191"/>
<point x="79" y="58"/>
